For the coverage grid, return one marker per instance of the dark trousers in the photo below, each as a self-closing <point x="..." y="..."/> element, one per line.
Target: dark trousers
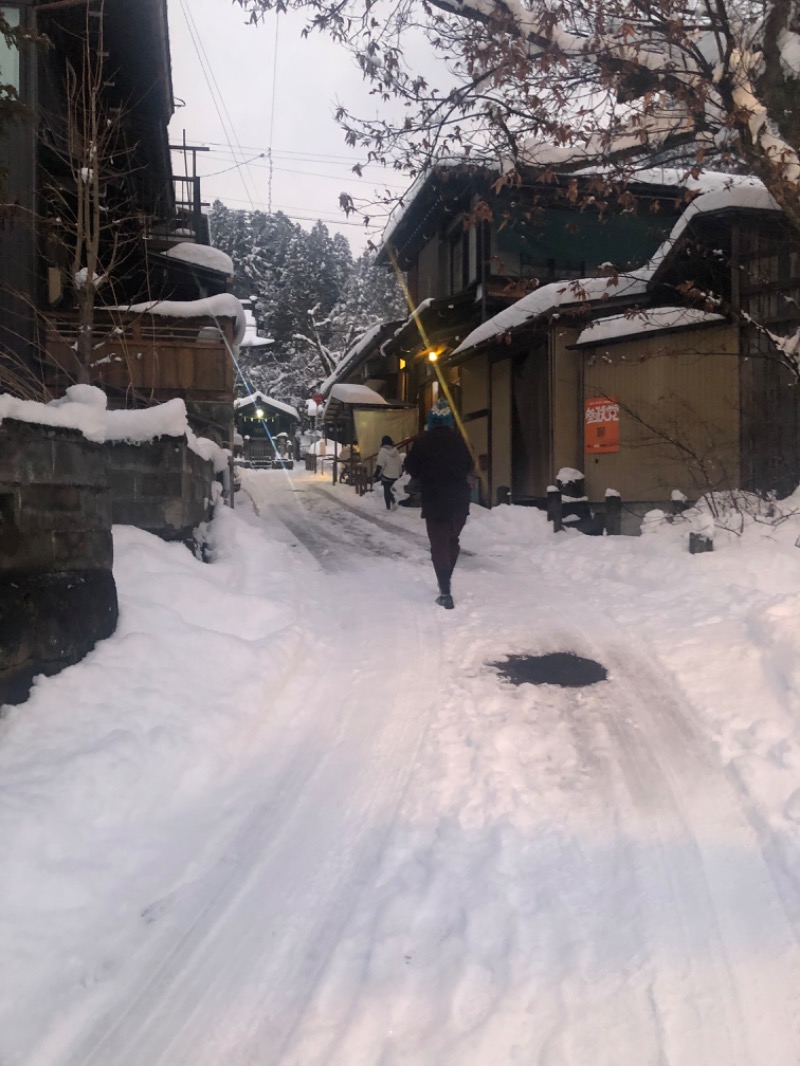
<point x="443" y="535"/>
<point x="388" y="495"/>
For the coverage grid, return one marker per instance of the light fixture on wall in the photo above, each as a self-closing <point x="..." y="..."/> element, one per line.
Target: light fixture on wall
<point x="259" y="413"/>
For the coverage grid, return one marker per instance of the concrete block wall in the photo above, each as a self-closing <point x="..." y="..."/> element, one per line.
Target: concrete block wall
<point x="161" y="486"/>
<point x="57" y="593"/>
<point x="59" y="496"/>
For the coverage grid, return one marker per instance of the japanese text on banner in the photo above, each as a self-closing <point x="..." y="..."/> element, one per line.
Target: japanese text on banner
<point x="601" y="425"/>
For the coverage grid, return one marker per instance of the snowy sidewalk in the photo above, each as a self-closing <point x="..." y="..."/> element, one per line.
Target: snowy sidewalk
<point x="289" y="814"/>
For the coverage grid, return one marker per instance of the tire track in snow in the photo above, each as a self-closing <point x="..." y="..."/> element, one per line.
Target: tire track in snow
<point x="243" y="962"/>
<point x="705" y="895"/>
<point x="720" y="875"/>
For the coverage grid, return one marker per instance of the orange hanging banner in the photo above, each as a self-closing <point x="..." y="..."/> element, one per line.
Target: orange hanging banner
<point x="601" y="425"/>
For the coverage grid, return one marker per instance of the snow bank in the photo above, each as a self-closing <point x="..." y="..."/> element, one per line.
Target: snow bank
<point x="239" y="833"/>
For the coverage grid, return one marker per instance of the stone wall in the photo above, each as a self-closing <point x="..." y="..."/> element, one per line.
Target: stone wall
<point x="161" y="486"/>
<point x="59" y="496"/>
<point x="57" y="593"/>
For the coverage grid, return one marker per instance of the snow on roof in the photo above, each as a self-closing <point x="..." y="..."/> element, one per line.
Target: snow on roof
<point x="261" y="399"/>
<point x="223" y="305"/>
<point x="733" y="193"/>
<point x="355" y="394"/>
<point x="84" y="408"/>
<point x="202" y="255"/>
<point x="703" y="182"/>
<point x="658" y="318"/>
<point x="350" y="357"/>
<point x="251" y="338"/>
<point x="538" y="153"/>
<point x="399" y="212"/>
<point x="549" y="297"/>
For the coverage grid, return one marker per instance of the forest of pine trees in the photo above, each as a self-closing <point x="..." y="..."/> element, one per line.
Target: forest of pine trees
<point x="311" y="298"/>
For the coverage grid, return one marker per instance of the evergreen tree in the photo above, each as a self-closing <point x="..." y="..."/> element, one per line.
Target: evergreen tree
<point x="372" y="294"/>
<point x="310" y="298"/>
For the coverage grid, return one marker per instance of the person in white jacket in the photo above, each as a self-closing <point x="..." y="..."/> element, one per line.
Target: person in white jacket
<point x="388" y="468"/>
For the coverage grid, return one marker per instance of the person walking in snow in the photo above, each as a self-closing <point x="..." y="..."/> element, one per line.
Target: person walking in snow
<point x="442" y="462"/>
<point x="388" y="468"/>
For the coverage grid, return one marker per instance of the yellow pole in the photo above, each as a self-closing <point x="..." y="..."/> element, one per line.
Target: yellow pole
<point x="437" y="369"/>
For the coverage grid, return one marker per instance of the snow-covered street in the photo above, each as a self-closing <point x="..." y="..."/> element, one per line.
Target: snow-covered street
<point x="290" y="815"/>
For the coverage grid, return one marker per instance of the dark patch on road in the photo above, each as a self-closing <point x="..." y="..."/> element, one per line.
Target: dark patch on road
<point x="558" y="668"/>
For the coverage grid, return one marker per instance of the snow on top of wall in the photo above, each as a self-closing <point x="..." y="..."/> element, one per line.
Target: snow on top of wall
<point x="88" y="418"/>
<point x="223" y="305"/>
<point x="744" y="194"/>
<point x="202" y="255"/>
<point x="267" y="401"/>
<point x="84" y="408"/>
<point x="165" y="420"/>
<point x="657" y="318"/>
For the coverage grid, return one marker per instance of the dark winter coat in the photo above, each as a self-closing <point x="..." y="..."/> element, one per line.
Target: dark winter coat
<point x="441" y="461"/>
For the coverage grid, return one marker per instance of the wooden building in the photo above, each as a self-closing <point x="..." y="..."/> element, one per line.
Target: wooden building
<point x="470" y="252"/>
<point x="651" y="382"/>
<point x="71" y="226"/>
<point x="267" y="427"/>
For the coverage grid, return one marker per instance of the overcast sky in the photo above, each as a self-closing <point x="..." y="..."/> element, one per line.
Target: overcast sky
<point x="244" y="93"/>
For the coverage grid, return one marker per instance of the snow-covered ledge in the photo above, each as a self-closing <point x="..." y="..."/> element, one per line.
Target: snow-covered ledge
<point x="85" y="408"/>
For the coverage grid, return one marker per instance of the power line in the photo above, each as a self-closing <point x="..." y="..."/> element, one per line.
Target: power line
<point x="297" y="218"/>
<point x="288" y="170"/>
<point x="322" y="156"/>
<point x="214" y="90"/>
<point x="272" y="107"/>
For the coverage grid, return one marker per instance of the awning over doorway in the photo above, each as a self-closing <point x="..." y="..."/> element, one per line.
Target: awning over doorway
<point x="371" y="415"/>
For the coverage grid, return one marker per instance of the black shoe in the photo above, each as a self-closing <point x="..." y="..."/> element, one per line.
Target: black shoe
<point x="445" y="600"/>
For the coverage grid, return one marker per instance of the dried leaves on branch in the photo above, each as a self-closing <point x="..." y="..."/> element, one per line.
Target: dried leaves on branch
<point x="566" y="84"/>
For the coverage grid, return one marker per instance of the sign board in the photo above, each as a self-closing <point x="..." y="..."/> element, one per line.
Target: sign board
<point x="601" y="425"/>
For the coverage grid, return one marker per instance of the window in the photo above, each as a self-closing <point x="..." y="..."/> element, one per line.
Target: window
<point x="9" y="55"/>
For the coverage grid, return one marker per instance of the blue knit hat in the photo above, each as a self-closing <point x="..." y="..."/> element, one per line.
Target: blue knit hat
<point x="440" y="415"/>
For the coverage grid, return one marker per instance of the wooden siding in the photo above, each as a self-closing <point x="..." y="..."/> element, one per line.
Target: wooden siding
<point x="428" y="273"/>
<point x="768" y="273"/>
<point x="566" y="398"/>
<point x="500" y="470"/>
<point x="679" y="417"/>
<point x="156" y="358"/>
<point x="532" y="443"/>
<point x="475" y="386"/>
<point x="478" y="433"/>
